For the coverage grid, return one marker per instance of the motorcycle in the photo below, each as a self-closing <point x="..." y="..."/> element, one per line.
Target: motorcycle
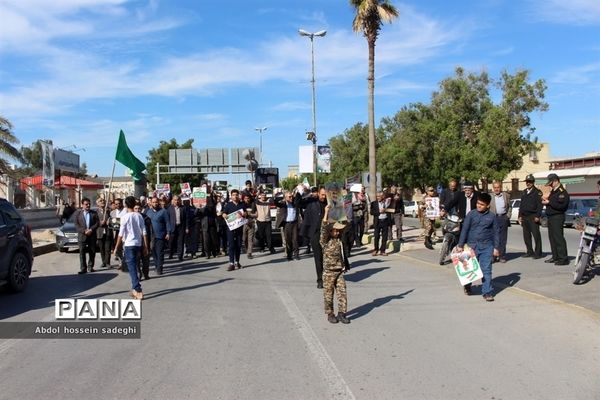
<point x="451" y="232"/>
<point x="587" y="254"/>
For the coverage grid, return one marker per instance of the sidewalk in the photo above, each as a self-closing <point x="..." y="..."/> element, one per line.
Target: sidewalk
<point x="410" y="234"/>
<point x="43" y="241"/>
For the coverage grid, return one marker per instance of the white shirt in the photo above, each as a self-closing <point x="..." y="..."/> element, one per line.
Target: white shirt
<point x="468" y="208"/>
<point x="500" y="204"/>
<point x="132" y="229"/>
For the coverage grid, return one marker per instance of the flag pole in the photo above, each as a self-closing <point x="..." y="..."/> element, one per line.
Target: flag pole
<point x="109" y="188"/>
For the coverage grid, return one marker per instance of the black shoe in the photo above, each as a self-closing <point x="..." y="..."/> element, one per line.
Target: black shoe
<point x="103" y="266"/>
<point x="467" y="290"/>
<point x="332" y="318"/>
<point x="550" y="261"/>
<point x="563" y="262"/>
<point x="91" y="269"/>
<point x="250" y="257"/>
<point x="83" y="271"/>
<point x="488" y="297"/>
<point x="342" y="318"/>
<point x="231" y="267"/>
<point x="146" y="277"/>
<point x="159" y="271"/>
<point x="289" y="258"/>
<point x="319" y="285"/>
<point x="537" y="257"/>
<point x="429" y="245"/>
<point x="238" y="265"/>
<point x="272" y="251"/>
<point x="527" y="255"/>
<point x="297" y="258"/>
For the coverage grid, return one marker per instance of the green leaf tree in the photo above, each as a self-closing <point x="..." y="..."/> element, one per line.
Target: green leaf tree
<point x="7" y="148"/>
<point x="370" y="16"/>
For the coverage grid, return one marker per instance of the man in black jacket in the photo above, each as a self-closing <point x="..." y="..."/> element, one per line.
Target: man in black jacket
<point x="530" y="212"/>
<point x="556" y="204"/>
<point x="86" y="224"/>
<point x="314" y="208"/>
<point x="464" y="201"/>
<point x="381" y="222"/>
<point x="288" y="219"/>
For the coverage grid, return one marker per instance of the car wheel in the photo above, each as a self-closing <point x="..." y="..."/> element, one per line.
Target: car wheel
<point x="18" y="272"/>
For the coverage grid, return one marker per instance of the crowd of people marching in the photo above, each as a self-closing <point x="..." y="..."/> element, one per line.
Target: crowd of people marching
<point x="136" y="231"/>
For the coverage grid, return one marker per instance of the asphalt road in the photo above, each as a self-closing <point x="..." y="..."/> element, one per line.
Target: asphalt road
<point x="260" y="333"/>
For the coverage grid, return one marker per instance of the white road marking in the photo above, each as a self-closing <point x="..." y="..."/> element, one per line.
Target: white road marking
<point x="338" y="388"/>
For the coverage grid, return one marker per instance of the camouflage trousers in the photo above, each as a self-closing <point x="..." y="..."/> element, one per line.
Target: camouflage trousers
<point x="428" y="227"/>
<point x="334" y="281"/>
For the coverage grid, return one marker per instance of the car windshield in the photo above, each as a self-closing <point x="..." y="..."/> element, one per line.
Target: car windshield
<point x="590" y="203"/>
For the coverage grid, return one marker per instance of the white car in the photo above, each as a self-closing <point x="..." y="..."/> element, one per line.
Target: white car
<point x="514" y="215"/>
<point x="410" y="208"/>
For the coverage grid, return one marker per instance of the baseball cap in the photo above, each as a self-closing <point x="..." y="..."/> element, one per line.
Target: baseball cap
<point x="552" y="178"/>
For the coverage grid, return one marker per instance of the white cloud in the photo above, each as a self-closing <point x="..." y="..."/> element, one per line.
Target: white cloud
<point x="73" y="76"/>
<point x="577" y="12"/>
<point x="580" y="75"/>
<point x="291" y="106"/>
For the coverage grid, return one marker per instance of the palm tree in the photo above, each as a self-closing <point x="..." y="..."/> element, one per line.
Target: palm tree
<point x="370" y="15"/>
<point x="7" y="139"/>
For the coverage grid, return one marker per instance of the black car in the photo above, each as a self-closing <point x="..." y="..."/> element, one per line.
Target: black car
<point x="16" y="248"/>
<point x="66" y="235"/>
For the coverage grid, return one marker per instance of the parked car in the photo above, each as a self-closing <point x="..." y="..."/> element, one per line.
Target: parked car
<point x="514" y="215"/>
<point x="410" y="208"/>
<point x="66" y="236"/>
<point x="16" y="248"/>
<point x="580" y="208"/>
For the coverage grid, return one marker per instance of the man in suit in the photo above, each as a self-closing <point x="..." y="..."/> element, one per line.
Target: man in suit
<point x="465" y="201"/>
<point x="381" y="221"/>
<point x="314" y="208"/>
<point x="178" y="219"/>
<point x="105" y="237"/>
<point x="288" y="219"/>
<point x="86" y="224"/>
<point x="501" y="208"/>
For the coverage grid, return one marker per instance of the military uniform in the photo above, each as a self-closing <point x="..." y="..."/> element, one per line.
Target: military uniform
<point x="529" y="210"/>
<point x="558" y="202"/>
<point x="334" y="264"/>
<point x="428" y="223"/>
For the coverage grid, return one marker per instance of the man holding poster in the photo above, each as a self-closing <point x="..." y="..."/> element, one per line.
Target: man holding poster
<point x="481" y="234"/>
<point x="234" y="214"/>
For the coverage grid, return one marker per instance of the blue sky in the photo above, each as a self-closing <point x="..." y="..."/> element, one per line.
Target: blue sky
<point x="78" y="71"/>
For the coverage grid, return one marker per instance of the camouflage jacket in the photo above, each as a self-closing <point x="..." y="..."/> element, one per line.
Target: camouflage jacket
<point x="333" y="258"/>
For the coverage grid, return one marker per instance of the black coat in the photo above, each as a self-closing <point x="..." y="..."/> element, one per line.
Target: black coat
<point x="80" y="225"/>
<point x="460" y="203"/>
<point x="313" y="215"/>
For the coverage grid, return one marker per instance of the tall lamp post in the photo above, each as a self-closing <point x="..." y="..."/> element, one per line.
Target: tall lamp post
<point x="260" y="131"/>
<point x="313" y="137"/>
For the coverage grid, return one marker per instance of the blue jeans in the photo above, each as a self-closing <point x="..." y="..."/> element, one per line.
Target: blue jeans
<point x="131" y="259"/>
<point x="234" y="239"/>
<point x="158" y="253"/>
<point x="484" y="256"/>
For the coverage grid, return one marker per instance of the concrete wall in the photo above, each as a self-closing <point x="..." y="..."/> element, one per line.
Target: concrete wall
<point x="40" y="218"/>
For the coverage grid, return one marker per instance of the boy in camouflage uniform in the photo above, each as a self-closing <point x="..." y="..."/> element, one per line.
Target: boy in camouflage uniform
<point x="335" y="263"/>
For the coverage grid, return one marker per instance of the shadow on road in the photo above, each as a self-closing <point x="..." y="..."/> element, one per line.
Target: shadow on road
<point x="362" y="274"/>
<point x="363" y="310"/>
<point x="43" y="290"/>
<point x="505" y="281"/>
<point x="165" y="292"/>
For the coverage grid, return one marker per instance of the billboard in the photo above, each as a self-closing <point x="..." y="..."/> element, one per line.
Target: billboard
<point x="66" y="161"/>
<point x="324" y="159"/>
<point x="47" y="163"/>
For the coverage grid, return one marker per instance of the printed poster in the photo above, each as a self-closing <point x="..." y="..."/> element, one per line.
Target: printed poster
<point x="335" y="201"/>
<point x="466" y="265"/>
<point x="186" y="190"/>
<point x="432" y="207"/>
<point x="199" y="196"/>
<point x="163" y="189"/>
<point x="235" y="220"/>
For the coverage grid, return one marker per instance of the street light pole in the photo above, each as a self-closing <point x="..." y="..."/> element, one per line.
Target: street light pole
<point x="311" y="36"/>
<point x="260" y="131"/>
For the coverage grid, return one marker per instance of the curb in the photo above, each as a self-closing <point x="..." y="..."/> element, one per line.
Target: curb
<point x="44" y="249"/>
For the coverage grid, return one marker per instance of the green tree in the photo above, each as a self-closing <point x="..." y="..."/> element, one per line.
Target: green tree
<point x="349" y="153"/>
<point x="7" y="142"/>
<point x="290" y="183"/>
<point x="160" y="155"/>
<point x="370" y="16"/>
<point x="33" y="156"/>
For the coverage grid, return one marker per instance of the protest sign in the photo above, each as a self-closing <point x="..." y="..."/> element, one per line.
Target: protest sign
<point x="335" y="201"/>
<point x="466" y="265"/>
<point x="186" y="191"/>
<point x="432" y="207"/>
<point x="199" y="197"/>
<point x="163" y="189"/>
<point x="235" y="220"/>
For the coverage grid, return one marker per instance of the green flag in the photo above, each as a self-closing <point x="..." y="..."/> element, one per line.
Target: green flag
<point x="126" y="157"/>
